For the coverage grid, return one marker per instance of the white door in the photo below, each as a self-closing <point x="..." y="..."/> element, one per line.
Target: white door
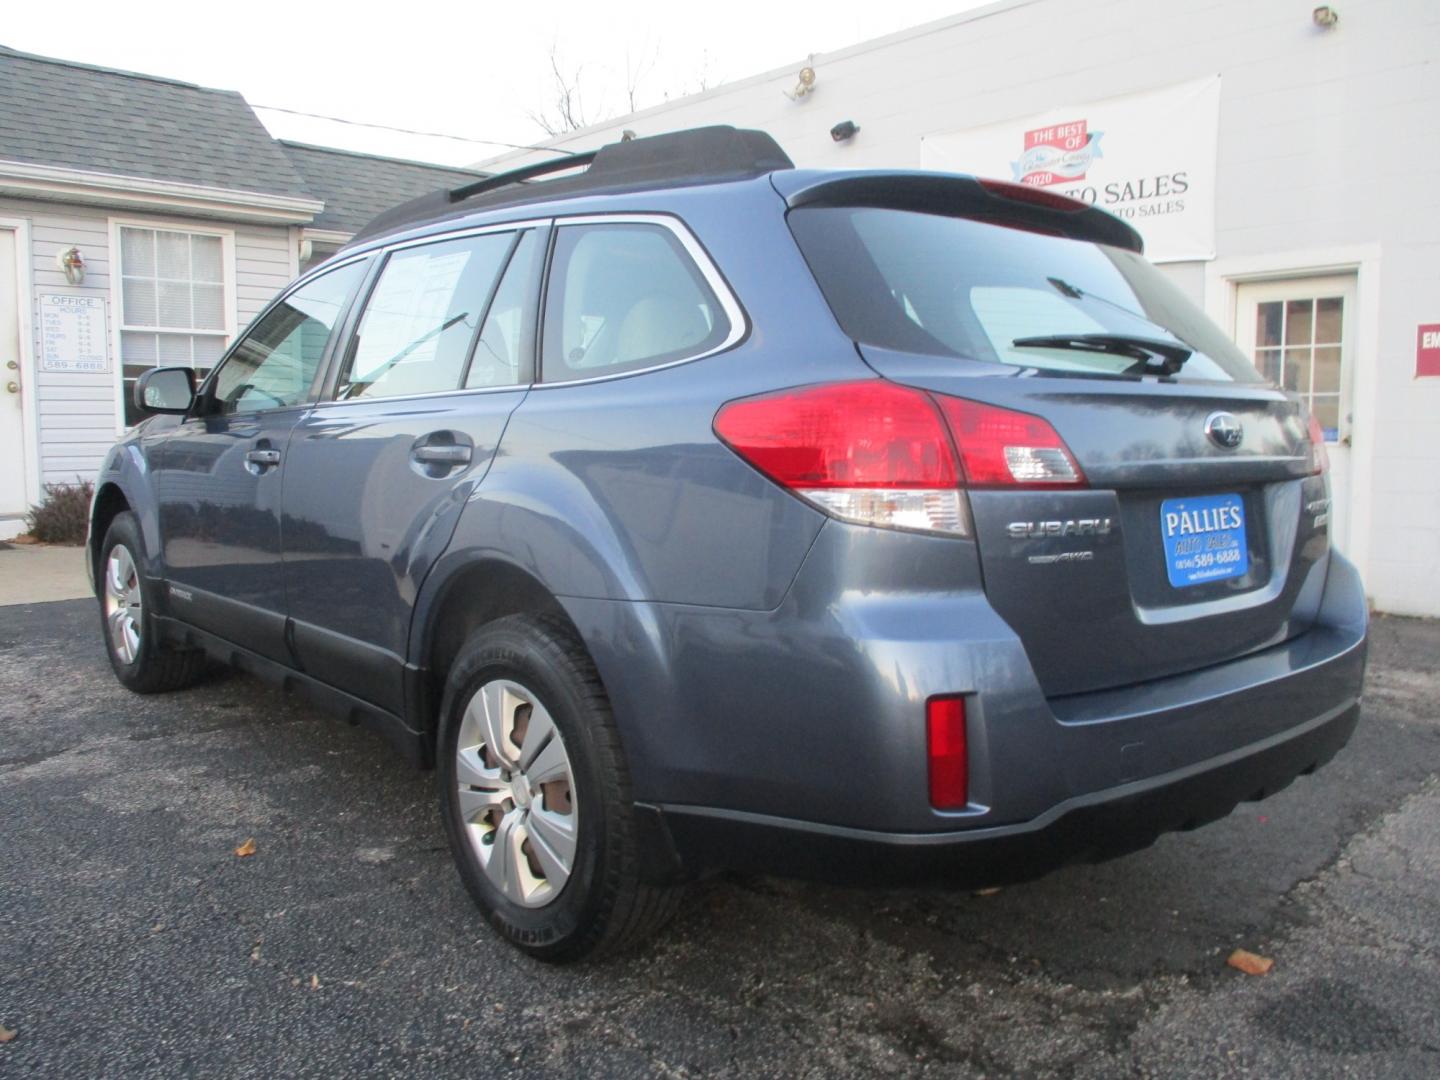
<point x="1299" y="332"/>
<point x="13" y="467"/>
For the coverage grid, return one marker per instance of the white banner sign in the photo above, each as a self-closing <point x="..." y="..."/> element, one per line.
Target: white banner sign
<point x="1147" y="158"/>
<point x="72" y="333"/>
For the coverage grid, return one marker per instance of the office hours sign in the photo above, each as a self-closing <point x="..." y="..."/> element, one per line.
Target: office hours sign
<point x="72" y="333"/>
<point x="1148" y="158"/>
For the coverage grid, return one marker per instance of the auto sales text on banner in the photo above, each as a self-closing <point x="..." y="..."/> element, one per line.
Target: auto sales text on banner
<point x="1148" y="158"/>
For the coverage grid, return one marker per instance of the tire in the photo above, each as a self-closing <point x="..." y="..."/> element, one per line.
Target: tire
<point x="142" y="662"/>
<point x="530" y="671"/>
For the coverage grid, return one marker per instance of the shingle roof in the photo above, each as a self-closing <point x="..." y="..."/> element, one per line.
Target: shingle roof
<point x="356" y="187"/>
<point x="53" y="112"/>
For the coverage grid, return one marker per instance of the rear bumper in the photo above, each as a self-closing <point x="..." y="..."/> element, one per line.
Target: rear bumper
<point x="793" y="740"/>
<point x="1089" y="828"/>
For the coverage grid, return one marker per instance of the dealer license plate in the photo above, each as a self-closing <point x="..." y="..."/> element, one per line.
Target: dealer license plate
<point x="1204" y="539"/>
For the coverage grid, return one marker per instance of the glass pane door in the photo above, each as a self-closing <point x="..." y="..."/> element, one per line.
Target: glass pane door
<point x="1298" y="344"/>
<point x="1300" y="332"/>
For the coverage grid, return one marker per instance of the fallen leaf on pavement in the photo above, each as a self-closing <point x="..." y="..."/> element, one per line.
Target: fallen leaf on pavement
<point x="314" y="982"/>
<point x="6" y="1035"/>
<point x="1250" y="963"/>
<point x="246" y="849"/>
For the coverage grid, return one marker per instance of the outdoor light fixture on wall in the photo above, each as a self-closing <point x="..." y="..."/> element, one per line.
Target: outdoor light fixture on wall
<point x="1325" y="16"/>
<point x="844" y="131"/>
<point x="805" y="81"/>
<point x="72" y="262"/>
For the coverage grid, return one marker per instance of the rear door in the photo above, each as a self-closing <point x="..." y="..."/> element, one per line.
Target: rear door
<point x="379" y="471"/>
<point x="1198" y="531"/>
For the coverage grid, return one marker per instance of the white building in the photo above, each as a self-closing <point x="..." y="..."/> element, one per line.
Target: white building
<point x="1280" y="161"/>
<point x="180" y="216"/>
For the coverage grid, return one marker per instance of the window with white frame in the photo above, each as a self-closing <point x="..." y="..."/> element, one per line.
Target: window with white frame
<point x="172" y="302"/>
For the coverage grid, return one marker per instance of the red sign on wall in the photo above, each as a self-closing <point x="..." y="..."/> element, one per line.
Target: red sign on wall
<point x="1057" y="154"/>
<point x="1427" y="350"/>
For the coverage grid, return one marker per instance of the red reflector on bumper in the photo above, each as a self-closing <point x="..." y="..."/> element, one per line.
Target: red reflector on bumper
<point x="949" y="763"/>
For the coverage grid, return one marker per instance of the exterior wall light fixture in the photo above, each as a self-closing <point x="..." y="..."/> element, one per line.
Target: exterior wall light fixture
<point x="805" y="81"/>
<point x="72" y="262"/>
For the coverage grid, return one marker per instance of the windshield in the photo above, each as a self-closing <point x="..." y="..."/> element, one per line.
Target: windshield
<point x="919" y="282"/>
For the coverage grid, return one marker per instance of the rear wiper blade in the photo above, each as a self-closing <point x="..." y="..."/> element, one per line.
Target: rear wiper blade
<point x="1152" y="356"/>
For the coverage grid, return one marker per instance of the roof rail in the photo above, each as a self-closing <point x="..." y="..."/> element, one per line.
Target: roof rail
<point x="520" y="175"/>
<point x="677" y="159"/>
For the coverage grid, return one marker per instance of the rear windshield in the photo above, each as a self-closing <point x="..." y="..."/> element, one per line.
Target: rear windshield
<point x="950" y="286"/>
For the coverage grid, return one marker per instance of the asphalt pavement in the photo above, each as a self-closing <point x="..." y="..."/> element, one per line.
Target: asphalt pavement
<point x="133" y="941"/>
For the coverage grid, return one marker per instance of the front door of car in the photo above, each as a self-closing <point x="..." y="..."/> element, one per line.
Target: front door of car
<point x="380" y="469"/>
<point x="219" y="475"/>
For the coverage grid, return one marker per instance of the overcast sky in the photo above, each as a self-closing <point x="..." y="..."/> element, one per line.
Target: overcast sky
<point x="477" y="69"/>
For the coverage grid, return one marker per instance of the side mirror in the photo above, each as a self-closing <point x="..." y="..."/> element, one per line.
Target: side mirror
<point x="165" y="390"/>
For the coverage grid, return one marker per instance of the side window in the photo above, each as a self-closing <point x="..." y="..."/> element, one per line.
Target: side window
<point x="422" y="316"/>
<point x="501" y="352"/>
<point x="625" y="296"/>
<point x="275" y="363"/>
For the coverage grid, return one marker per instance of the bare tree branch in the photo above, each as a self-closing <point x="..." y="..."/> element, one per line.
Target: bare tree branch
<point x="569" y="103"/>
<point x="704" y="79"/>
<point x="635" y="74"/>
<point x="568" y="112"/>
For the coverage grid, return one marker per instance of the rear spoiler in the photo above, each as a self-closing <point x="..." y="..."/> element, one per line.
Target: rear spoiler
<point x="1018" y="206"/>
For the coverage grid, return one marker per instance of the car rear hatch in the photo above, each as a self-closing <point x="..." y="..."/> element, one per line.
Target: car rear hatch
<point x="1188" y="526"/>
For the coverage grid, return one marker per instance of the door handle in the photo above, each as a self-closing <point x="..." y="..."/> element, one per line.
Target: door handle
<point x="263" y="458"/>
<point x="442" y="454"/>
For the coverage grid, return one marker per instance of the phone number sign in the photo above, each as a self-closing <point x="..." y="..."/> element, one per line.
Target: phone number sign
<point x="72" y="333"/>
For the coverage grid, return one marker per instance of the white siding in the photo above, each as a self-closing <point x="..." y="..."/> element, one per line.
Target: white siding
<point x="1325" y="143"/>
<point x="79" y="415"/>
<point x="262" y="268"/>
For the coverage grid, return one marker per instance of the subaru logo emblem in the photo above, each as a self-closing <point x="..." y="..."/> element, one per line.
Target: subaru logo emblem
<point x="1224" y="430"/>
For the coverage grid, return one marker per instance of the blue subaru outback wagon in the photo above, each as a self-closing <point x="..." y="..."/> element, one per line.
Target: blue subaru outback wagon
<point x="692" y="511"/>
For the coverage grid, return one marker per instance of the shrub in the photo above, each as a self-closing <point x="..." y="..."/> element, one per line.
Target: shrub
<point x="64" y="515"/>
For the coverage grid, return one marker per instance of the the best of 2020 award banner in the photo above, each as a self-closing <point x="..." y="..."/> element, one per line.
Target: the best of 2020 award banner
<point x="1148" y="158"/>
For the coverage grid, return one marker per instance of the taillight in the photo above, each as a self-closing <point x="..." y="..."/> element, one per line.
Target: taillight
<point x="1002" y="448"/>
<point x="881" y="454"/>
<point x="948" y="757"/>
<point x="870" y="452"/>
<point x="1319" y="456"/>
